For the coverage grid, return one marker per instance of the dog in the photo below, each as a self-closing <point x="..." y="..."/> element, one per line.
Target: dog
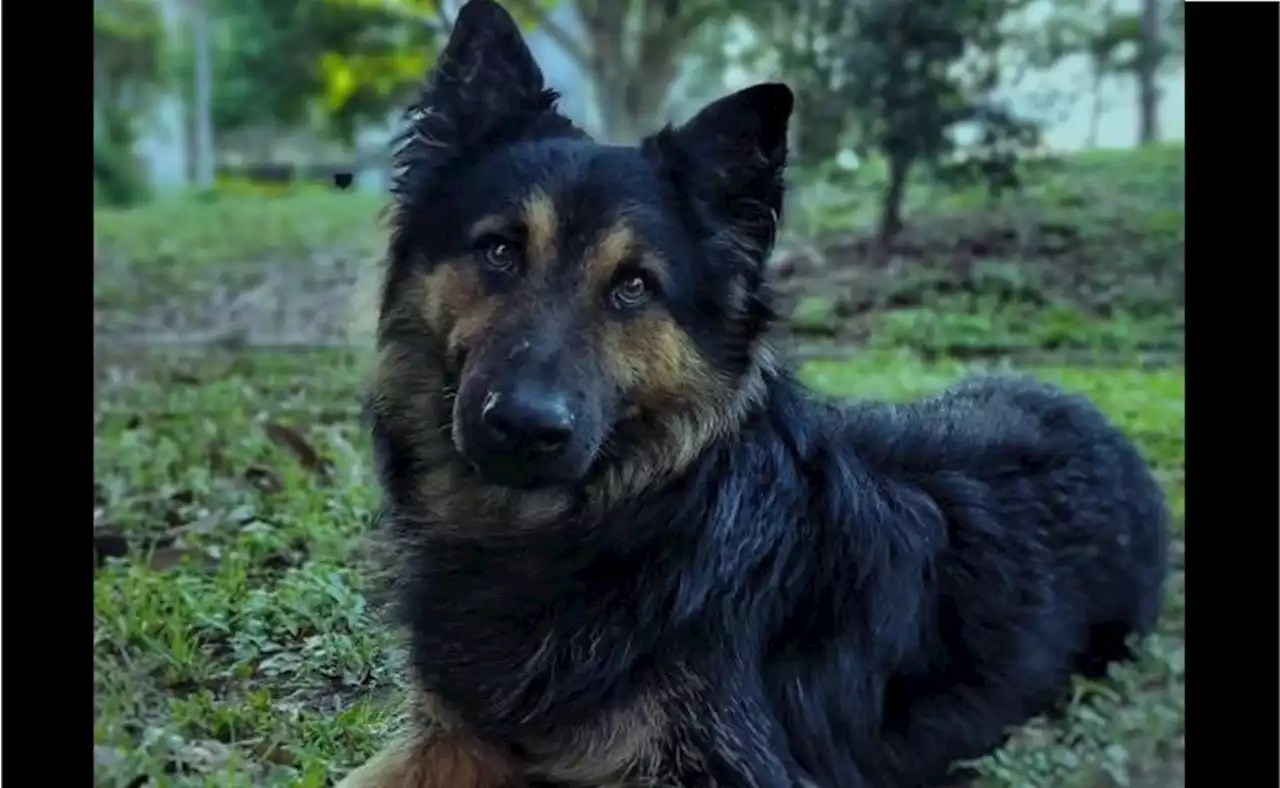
<point x="628" y="548"/>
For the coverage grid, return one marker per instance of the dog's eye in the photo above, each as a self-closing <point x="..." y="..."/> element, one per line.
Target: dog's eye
<point x="631" y="292"/>
<point x="499" y="254"/>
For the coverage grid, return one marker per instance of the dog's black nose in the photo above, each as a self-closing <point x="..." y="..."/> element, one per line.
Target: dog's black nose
<point x="529" y="419"/>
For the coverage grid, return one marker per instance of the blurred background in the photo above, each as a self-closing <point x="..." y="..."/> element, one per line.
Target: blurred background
<point x="975" y="184"/>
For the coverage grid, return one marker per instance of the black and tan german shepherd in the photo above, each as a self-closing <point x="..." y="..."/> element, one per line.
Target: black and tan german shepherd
<point x="629" y="549"/>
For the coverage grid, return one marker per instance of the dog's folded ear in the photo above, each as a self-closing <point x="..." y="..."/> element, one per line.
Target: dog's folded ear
<point x="485" y="78"/>
<point x="729" y="160"/>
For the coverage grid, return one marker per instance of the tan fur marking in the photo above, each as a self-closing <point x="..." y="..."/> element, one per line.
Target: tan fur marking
<point x="434" y="760"/>
<point x="611" y="249"/>
<point x="624" y="744"/>
<point x="678" y="397"/>
<point x="656" y="360"/>
<point x="449" y="292"/>
<point x="541" y="222"/>
<point x="470" y="327"/>
<point x="432" y="710"/>
<point x="455" y="306"/>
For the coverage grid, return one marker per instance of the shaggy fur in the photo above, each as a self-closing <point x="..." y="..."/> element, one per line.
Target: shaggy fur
<point x="630" y="549"/>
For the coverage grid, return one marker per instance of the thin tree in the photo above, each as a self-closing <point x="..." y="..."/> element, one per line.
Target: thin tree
<point x="1150" y="54"/>
<point x="203" y="137"/>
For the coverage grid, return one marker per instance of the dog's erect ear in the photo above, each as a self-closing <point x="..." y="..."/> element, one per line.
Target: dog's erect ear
<point x="486" y="67"/>
<point x="485" y="78"/>
<point x="729" y="160"/>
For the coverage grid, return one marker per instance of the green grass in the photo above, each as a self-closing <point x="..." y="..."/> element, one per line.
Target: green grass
<point x="1089" y="256"/>
<point x="234" y="643"/>
<point x="197" y="234"/>
<point x="1141" y="188"/>
<point x="170" y="249"/>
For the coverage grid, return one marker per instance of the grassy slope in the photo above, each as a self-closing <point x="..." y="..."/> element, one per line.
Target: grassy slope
<point x="234" y="644"/>
<point x="1088" y="257"/>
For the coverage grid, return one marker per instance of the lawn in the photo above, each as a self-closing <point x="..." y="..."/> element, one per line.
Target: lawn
<point x="233" y="642"/>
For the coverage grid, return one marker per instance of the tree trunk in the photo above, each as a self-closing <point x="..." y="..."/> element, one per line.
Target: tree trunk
<point x="631" y="107"/>
<point x="203" y="96"/>
<point x="891" y="204"/>
<point x="1148" y="62"/>
<point x="616" y="122"/>
<point x="1095" y="110"/>
<point x="633" y="61"/>
<point x="1100" y="65"/>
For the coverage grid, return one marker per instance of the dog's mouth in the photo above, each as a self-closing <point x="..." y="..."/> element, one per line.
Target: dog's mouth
<point x="518" y="466"/>
<point x="515" y="475"/>
<point x="520" y="471"/>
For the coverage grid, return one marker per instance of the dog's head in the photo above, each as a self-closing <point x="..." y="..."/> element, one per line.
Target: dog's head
<point x="555" y="303"/>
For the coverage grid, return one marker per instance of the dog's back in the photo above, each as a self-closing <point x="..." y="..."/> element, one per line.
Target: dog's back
<point x="1037" y="537"/>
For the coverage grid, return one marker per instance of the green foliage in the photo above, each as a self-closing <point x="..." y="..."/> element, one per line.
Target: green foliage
<point x="334" y="63"/>
<point x="128" y="48"/>
<point x="815" y="314"/>
<point x="911" y="84"/>
<point x="1090" y="260"/>
<point x="900" y="79"/>
<point x="118" y="180"/>
<point x="1124" y="202"/>
<point x="1112" y="40"/>
<point x="178" y="248"/>
<point x="234" y="646"/>
<point x="192" y="236"/>
<point x="128" y="72"/>
<point x="989" y="327"/>
<point x="343" y="61"/>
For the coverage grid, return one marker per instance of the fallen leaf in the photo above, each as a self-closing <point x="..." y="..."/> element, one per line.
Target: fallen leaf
<point x="264" y="479"/>
<point x="291" y="439"/>
<point x="217" y="456"/>
<point x="168" y="557"/>
<point x="108" y="543"/>
<point x="282" y="560"/>
<point x="274" y="752"/>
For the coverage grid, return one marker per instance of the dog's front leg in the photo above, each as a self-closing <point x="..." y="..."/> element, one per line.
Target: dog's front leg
<point x="744" y="745"/>
<point x="435" y="760"/>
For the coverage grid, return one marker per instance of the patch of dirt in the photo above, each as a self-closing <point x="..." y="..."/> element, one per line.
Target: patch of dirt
<point x="1032" y="263"/>
<point x="274" y="303"/>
